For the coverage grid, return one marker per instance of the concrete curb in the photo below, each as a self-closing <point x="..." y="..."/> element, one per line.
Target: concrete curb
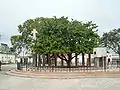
<point x="60" y="76"/>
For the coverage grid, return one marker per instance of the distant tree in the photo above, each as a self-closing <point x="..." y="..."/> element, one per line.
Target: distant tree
<point x="4" y="48"/>
<point x="112" y="40"/>
<point x="12" y="50"/>
<point x="17" y="43"/>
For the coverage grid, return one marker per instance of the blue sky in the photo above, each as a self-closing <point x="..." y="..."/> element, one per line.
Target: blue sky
<point x="105" y="13"/>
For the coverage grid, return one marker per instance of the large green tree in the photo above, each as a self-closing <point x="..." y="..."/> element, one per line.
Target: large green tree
<point x="59" y="36"/>
<point x="112" y="40"/>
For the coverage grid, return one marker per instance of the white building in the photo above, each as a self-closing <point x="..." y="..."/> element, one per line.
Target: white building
<point x="104" y="57"/>
<point x="5" y="55"/>
<point x="7" y="58"/>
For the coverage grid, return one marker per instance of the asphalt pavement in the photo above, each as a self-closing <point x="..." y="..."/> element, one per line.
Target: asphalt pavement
<point x="20" y="83"/>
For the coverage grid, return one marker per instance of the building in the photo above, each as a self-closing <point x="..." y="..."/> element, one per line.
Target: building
<point x="104" y="57"/>
<point x="6" y="56"/>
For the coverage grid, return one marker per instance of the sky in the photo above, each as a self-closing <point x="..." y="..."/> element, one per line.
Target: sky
<point x="105" y="13"/>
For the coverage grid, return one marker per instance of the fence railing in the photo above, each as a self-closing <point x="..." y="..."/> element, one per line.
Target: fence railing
<point x="31" y="67"/>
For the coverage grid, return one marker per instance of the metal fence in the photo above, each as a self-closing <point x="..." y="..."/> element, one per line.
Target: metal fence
<point x="31" y="67"/>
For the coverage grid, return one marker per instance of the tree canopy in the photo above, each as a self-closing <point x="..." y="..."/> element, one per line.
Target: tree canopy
<point x="57" y="35"/>
<point x="112" y="40"/>
<point x="63" y="36"/>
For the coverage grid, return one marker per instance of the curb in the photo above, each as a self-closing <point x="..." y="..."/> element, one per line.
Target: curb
<point x="58" y="76"/>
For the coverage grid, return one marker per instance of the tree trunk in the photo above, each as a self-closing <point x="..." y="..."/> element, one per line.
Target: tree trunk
<point x="39" y="61"/>
<point x="43" y="56"/>
<point x="68" y="64"/>
<point x="89" y="59"/>
<point x="55" y="56"/>
<point x="83" y="60"/>
<point x="35" y="59"/>
<point x="69" y="60"/>
<point x="76" y="60"/>
<point x="48" y="60"/>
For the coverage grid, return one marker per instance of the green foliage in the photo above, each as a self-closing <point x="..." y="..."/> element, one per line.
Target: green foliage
<point x="57" y="35"/>
<point x="112" y="40"/>
<point x="17" y="43"/>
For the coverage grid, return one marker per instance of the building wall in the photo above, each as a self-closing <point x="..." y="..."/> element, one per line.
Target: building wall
<point x="7" y="58"/>
<point x="99" y="52"/>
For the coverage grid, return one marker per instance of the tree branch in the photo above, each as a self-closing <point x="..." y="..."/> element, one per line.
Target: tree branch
<point x="61" y="57"/>
<point x="74" y="56"/>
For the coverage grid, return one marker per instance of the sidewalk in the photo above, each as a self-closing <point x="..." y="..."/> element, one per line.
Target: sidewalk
<point x="64" y="75"/>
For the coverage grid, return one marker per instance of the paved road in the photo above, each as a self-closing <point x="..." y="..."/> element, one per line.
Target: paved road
<point x="19" y="83"/>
